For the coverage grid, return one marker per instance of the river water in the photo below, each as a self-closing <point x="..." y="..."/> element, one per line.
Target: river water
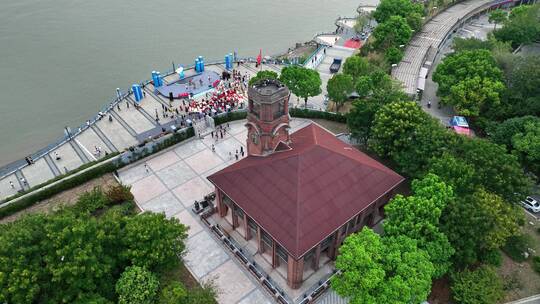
<point x="61" y="60"/>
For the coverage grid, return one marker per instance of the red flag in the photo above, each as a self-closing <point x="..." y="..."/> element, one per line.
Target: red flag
<point x="259" y="58"/>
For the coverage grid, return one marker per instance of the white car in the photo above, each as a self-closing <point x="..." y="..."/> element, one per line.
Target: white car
<point x="531" y="204"/>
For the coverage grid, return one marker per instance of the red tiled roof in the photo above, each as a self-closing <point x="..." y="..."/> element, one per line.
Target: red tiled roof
<point x="302" y="195"/>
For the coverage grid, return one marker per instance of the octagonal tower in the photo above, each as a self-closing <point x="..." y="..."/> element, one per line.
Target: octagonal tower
<point x="268" y="118"/>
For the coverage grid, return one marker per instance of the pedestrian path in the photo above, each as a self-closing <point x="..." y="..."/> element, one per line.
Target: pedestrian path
<point x="433" y="33"/>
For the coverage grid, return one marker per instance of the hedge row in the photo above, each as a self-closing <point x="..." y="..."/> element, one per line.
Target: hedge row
<point x="307" y="113"/>
<point x="295" y="112"/>
<point x="230" y="116"/>
<point x="57" y="188"/>
<point x="59" y="177"/>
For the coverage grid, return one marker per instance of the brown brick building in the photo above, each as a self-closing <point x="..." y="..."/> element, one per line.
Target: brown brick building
<point x="298" y="195"/>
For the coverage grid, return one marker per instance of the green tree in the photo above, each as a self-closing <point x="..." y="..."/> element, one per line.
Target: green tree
<point x="497" y="16"/>
<point x="266" y="74"/>
<point x="403" y="8"/>
<point x="478" y="223"/>
<point x="394" y="127"/>
<point x="339" y="87"/>
<point x="357" y="66"/>
<point x="479" y="286"/>
<point x="393" y="54"/>
<point x="392" y="33"/>
<point x="502" y="133"/>
<point x="76" y="260"/>
<point x="361" y="22"/>
<point x="496" y="170"/>
<point x="527" y="146"/>
<point x="154" y="242"/>
<point x="522" y="27"/>
<point x="174" y="293"/>
<point x="382" y="270"/>
<point x="470" y="95"/>
<point x="417" y="217"/>
<point x="469" y="81"/>
<point x="22" y="276"/>
<point x="454" y="172"/>
<point x="470" y="44"/>
<point x="360" y="118"/>
<point x="302" y="82"/>
<point x="363" y="86"/>
<point x="137" y="285"/>
<point x="428" y="140"/>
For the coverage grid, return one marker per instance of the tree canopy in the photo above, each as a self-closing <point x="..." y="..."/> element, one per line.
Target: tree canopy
<point x="73" y="256"/>
<point x="480" y="286"/>
<point x="469" y="81"/>
<point x="392" y="33"/>
<point x="137" y="285"/>
<point x="378" y="269"/>
<point x="339" y="87"/>
<point x="301" y="81"/>
<point x="417" y="217"/>
<point x="497" y="17"/>
<point x="395" y="125"/>
<point x="403" y="8"/>
<point x="357" y="66"/>
<point x="266" y="74"/>
<point x="522" y="26"/>
<point x="478" y="223"/>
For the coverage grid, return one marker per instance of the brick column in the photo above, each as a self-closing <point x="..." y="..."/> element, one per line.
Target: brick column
<point x="259" y="241"/>
<point x="275" y="260"/>
<point x="246" y="228"/>
<point x="317" y="257"/>
<point x="234" y="218"/>
<point x="295" y="272"/>
<point x="332" y="251"/>
<point x="222" y="209"/>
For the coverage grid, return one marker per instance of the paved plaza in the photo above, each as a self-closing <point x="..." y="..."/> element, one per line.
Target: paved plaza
<point x="171" y="182"/>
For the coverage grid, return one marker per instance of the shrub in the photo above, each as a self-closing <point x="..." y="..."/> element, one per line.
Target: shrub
<point x="137" y="285"/>
<point x="91" y="201"/>
<point x="536" y="263"/>
<point x="480" y="286"/>
<point x="175" y="293"/>
<point x="512" y="281"/>
<point x="516" y="246"/>
<point x="538" y="230"/>
<point x="119" y="194"/>
<point x="493" y="258"/>
<point x="229" y="116"/>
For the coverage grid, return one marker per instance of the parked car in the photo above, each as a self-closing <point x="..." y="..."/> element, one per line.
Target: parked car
<point x="531" y="204"/>
<point x="334" y="68"/>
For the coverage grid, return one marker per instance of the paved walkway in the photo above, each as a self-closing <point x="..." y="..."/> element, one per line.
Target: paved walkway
<point x="174" y="180"/>
<point x="428" y="39"/>
<point x="474" y="28"/>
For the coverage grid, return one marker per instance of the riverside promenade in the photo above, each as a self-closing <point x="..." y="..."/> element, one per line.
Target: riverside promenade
<point x="131" y="126"/>
<point x="128" y="126"/>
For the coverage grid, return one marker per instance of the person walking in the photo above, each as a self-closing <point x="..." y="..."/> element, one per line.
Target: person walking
<point x="146" y="167"/>
<point x="11" y="185"/>
<point x="213" y="148"/>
